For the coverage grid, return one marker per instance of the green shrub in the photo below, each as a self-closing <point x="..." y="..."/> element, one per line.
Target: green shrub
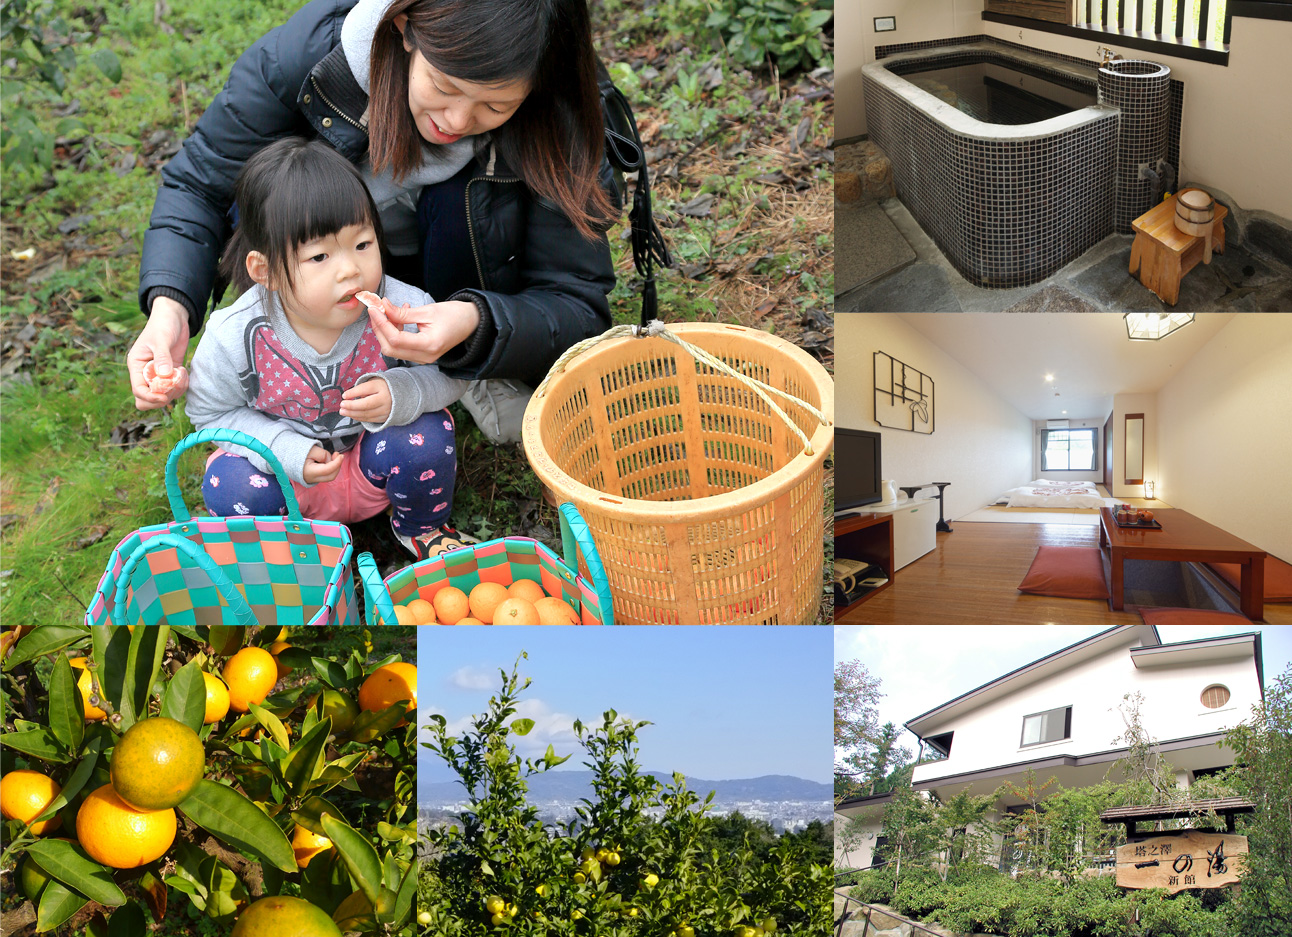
<point x="874" y="886"/>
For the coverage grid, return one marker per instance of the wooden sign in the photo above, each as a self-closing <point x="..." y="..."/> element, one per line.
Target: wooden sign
<point x="1189" y="859"/>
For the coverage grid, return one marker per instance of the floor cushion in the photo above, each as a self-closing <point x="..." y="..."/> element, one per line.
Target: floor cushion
<point x="1067" y="572"/>
<point x="1191" y="616"/>
<point x="1278" y="578"/>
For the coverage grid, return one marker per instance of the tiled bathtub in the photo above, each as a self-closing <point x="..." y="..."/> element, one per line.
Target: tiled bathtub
<point x="1007" y="205"/>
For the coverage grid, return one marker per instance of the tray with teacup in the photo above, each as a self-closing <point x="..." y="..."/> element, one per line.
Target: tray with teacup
<point x="1140" y="518"/>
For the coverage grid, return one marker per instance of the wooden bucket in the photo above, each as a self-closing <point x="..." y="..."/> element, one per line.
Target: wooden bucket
<point x="705" y="505"/>
<point x="1195" y="214"/>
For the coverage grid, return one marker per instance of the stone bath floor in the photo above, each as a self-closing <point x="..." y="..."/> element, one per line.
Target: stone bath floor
<point x="1253" y="275"/>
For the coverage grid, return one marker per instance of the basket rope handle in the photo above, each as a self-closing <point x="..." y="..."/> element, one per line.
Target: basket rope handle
<point x="576" y="536"/>
<point x="237" y="604"/>
<point x="657" y="329"/>
<point x="377" y="606"/>
<point x="237" y="438"/>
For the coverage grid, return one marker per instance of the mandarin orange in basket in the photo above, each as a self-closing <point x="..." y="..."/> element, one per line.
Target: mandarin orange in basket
<point x="485" y="598"/>
<point x="250" y="674"/>
<point x="451" y="605"/>
<point x="554" y="611"/>
<point x="526" y="589"/>
<point x="25" y="794"/>
<point x="423" y="611"/>
<point x="516" y="612"/>
<point x="470" y="621"/>
<point x="115" y="834"/>
<point x="403" y="616"/>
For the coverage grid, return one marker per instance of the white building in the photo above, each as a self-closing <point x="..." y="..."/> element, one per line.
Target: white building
<point x="1060" y="717"/>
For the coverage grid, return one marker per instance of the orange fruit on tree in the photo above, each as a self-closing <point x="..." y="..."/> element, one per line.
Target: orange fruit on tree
<point x="403" y="616"/>
<point x="423" y="611"/>
<point x="340" y="707"/>
<point x="250" y="674"/>
<point x="485" y="598"/>
<point x="157" y="763"/>
<point x="307" y="845"/>
<point x="389" y="685"/>
<point x="25" y="794"/>
<point x="217" y="698"/>
<point x="451" y="605"/>
<point x="526" y="589"/>
<point x="275" y="649"/>
<point x="115" y="834"/>
<point x="554" y="611"/>
<point x="86" y="686"/>
<point x="516" y="612"/>
<point x="279" y="914"/>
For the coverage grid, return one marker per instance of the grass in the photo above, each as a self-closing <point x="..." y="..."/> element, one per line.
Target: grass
<point x="752" y="149"/>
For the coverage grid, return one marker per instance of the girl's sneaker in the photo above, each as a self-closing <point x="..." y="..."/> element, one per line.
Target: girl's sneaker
<point x="434" y="542"/>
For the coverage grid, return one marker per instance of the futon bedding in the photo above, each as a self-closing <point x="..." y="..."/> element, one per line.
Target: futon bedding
<point x="1052" y="496"/>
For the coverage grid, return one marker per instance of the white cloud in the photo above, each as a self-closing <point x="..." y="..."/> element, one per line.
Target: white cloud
<point x="473" y="678"/>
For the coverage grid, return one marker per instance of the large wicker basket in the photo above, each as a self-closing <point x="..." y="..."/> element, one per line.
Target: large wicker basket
<point x="704" y="504"/>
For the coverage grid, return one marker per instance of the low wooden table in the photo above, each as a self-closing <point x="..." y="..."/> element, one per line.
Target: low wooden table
<point x="1182" y="539"/>
<point x="1162" y="254"/>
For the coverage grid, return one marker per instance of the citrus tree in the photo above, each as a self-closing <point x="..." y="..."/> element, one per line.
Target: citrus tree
<point x="151" y="765"/>
<point x="631" y="864"/>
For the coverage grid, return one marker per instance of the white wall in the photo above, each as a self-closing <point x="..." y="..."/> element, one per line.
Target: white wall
<point x="1172" y="709"/>
<point x="1224" y="432"/>
<point x="981" y="444"/>
<point x="867" y="832"/>
<point x="1147" y="405"/>
<point x="1096" y="475"/>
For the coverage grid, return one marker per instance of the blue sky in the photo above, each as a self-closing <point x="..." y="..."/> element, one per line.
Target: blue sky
<point x="726" y="702"/>
<point x="923" y="667"/>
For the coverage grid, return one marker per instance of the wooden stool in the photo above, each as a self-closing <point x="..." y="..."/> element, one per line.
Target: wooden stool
<point x="1161" y="254"/>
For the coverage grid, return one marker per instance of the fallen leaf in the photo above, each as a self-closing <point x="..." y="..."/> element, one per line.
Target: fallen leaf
<point x="8" y="519"/>
<point x="47" y="498"/>
<point x="764" y="308"/>
<point x="92" y="536"/>
<point x="698" y="207"/>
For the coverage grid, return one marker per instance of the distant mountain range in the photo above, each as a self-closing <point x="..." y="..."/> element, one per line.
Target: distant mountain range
<point x="569" y="786"/>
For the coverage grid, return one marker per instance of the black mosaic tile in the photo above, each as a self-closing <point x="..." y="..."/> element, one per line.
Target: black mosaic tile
<point x="1141" y="91"/>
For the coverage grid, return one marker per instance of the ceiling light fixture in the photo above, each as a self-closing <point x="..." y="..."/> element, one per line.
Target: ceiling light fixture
<point x="1049" y="377"/>
<point x="1151" y="326"/>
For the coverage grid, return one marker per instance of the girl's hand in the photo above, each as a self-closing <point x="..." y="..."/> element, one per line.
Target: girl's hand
<point x="368" y="402"/>
<point x="440" y="327"/>
<point x="321" y="465"/>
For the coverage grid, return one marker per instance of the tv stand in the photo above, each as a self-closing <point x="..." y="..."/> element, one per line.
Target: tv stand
<point x="865" y="536"/>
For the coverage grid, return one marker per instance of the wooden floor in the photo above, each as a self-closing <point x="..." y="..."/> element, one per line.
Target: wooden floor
<point x="972" y="579"/>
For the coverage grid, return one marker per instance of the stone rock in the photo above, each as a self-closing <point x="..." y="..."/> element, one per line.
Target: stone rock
<point x="886" y="918"/>
<point x="879" y="178"/>
<point x="1271" y="239"/>
<point x="847" y="186"/>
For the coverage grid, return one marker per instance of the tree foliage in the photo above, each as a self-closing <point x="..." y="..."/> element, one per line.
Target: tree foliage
<point x="856" y="718"/>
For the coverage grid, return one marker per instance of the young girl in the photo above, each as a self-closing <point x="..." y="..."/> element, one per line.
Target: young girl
<point x="294" y="361"/>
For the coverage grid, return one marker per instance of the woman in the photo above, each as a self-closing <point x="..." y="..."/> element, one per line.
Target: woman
<point x="477" y="126"/>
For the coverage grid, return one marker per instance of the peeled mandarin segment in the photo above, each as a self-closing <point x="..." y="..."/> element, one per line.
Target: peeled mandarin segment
<point x="371" y="300"/>
<point x="157" y="763"/>
<point x="116" y="835"/>
<point x="157" y="383"/>
<point x="25" y="794"/>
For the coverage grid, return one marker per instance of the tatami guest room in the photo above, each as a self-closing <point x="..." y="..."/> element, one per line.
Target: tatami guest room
<point x="1066" y="468"/>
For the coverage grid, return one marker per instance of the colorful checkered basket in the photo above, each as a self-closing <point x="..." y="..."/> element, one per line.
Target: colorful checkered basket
<point x="229" y="570"/>
<point x="502" y="561"/>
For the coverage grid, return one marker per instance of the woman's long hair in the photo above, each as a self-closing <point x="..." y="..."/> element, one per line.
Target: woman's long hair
<point x="555" y="139"/>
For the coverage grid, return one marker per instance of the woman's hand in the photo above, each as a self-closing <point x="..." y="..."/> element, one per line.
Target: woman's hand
<point x="440" y="327"/>
<point x="321" y="465"/>
<point x="368" y="402"/>
<point x="163" y="342"/>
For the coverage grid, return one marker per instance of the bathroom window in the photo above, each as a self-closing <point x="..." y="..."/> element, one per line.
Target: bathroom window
<point x="1203" y="20"/>
<point x="1069" y="450"/>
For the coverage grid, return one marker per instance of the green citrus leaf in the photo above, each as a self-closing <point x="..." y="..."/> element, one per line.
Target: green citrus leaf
<point x="230" y="816"/>
<point x="273" y="724"/>
<point x="143" y="660"/>
<point x="73" y="868"/>
<point x="522" y="726"/>
<point x="330" y="672"/>
<point x="358" y="855"/>
<point x="76" y="781"/>
<point x="311" y="810"/>
<point x="47" y="639"/>
<point x="305" y="760"/>
<point x="66" y="710"/>
<point x="108" y="63"/>
<point x="127" y="921"/>
<point x="372" y="723"/>
<point x="185" y="697"/>
<point x="39" y="743"/>
<point x="57" y="905"/>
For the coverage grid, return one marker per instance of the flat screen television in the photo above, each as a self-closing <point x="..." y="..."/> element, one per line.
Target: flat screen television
<point x="857" y="472"/>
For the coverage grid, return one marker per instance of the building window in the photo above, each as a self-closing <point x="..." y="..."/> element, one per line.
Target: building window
<point x="1051" y="726"/>
<point x="1215" y="696"/>
<point x="1069" y="450"/>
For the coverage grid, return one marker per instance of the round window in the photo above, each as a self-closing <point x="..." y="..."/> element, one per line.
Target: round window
<point x="1215" y="696"/>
